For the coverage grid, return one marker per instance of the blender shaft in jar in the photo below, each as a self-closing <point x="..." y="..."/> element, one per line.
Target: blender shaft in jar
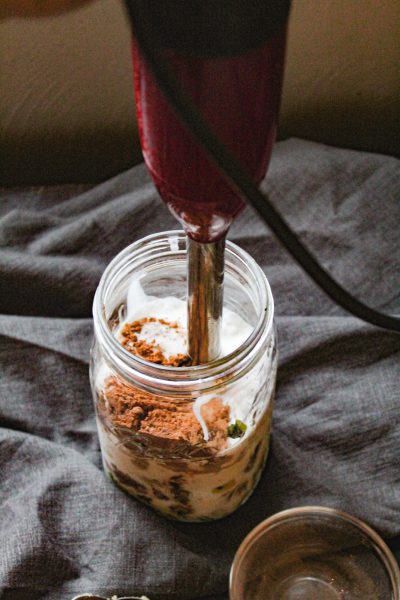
<point x="205" y="299"/>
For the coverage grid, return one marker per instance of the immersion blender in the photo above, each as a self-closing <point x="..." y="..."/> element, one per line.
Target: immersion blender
<point x="228" y="58"/>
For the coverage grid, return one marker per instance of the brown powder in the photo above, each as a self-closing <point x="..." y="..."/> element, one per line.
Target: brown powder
<point x="150" y="352"/>
<point x="165" y="421"/>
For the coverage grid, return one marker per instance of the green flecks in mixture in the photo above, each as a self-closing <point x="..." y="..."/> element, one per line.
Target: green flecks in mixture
<point x="237" y="429"/>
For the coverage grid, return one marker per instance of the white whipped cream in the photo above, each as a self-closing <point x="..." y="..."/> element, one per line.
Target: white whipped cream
<point x="234" y="331"/>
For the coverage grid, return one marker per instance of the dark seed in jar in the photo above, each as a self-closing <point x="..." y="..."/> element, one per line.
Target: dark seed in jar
<point x="241" y="488"/>
<point x="224" y="487"/>
<point x="144" y="498"/>
<point x="178" y="492"/>
<point x="252" y="458"/>
<point x="129" y="481"/>
<point x="141" y="463"/>
<point x="159" y="494"/>
<point x="180" y="511"/>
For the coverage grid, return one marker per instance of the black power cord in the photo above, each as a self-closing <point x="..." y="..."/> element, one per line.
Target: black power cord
<point x="151" y="49"/>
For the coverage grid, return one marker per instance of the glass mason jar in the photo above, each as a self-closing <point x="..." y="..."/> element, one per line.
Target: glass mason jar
<point x="189" y="441"/>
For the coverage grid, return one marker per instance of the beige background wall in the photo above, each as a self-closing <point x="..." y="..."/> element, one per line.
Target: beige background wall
<point x="67" y="109"/>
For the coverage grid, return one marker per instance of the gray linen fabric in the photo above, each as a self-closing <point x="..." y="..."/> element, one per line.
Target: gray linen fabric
<point x="64" y="527"/>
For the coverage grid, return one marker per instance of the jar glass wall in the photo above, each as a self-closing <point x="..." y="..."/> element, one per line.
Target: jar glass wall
<point x="190" y="441"/>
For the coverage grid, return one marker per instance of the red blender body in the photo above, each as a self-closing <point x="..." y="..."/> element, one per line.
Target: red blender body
<point x="238" y="96"/>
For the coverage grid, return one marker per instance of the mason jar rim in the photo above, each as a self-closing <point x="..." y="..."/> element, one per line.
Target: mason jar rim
<point x="133" y="366"/>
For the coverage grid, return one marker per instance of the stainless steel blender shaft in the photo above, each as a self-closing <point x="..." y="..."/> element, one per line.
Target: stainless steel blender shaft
<point x="205" y="299"/>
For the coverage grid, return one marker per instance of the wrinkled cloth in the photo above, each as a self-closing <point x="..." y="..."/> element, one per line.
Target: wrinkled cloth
<point x="64" y="528"/>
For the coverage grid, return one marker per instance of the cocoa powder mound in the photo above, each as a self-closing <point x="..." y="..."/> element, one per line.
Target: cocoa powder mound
<point x="150" y="352"/>
<point x="166" y="421"/>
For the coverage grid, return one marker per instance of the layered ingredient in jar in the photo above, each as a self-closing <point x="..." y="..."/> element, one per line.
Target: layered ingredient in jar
<point x="190" y="458"/>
